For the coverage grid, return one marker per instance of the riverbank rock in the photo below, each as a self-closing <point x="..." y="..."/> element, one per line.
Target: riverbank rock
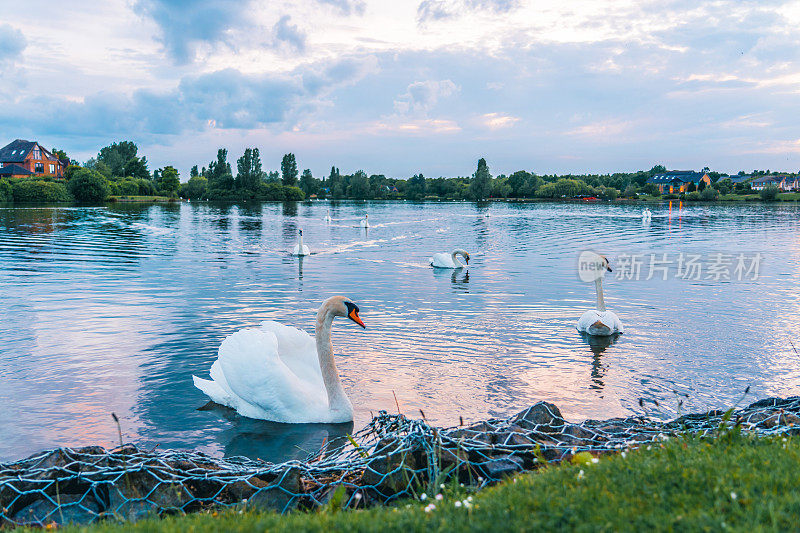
<point x="542" y="416"/>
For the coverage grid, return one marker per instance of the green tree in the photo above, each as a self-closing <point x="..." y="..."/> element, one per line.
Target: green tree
<point x="219" y="173"/>
<point x="136" y="168"/>
<point x="308" y="183"/>
<point x="170" y="181"/>
<point x="249" y="173"/>
<point x="769" y="193"/>
<point x="193" y="173"/>
<point x="517" y="182"/>
<point x="481" y="183"/>
<point x="88" y="186"/>
<point x="195" y="188"/>
<point x="289" y="170"/>
<point x="415" y="187"/>
<point x="358" y="187"/>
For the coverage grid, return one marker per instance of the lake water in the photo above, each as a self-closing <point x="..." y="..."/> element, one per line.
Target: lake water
<point x="114" y="309"/>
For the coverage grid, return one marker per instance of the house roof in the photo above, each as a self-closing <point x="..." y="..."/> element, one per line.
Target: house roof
<point x="770" y="179"/>
<point x="14" y="170"/>
<point x="672" y="176"/>
<point x="17" y="150"/>
<point x="739" y="179"/>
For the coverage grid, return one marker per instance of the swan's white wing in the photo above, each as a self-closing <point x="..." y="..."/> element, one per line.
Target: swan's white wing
<point x="599" y="323"/>
<point x="251" y="377"/>
<point x="442" y="260"/>
<point x="297" y="349"/>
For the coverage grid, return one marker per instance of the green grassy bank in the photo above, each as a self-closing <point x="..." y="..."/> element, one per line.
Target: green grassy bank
<point x="734" y="482"/>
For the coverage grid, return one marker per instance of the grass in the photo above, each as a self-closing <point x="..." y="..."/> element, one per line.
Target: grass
<point x="736" y="482"/>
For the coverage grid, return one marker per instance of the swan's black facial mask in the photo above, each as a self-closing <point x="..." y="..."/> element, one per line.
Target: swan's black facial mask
<point x="352" y="313"/>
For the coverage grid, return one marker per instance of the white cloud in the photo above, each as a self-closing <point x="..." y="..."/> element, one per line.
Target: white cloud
<point x="497" y="121"/>
<point x="422" y="96"/>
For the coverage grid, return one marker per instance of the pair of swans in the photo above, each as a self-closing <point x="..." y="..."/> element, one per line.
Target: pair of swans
<point x="646" y="215"/>
<point x="282" y="374"/>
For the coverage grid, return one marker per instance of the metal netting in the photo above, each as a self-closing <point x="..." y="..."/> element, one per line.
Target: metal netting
<point x="393" y="457"/>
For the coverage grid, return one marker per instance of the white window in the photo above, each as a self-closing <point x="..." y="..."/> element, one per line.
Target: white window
<point x="37" y="154"/>
<point x="52" y="169"/>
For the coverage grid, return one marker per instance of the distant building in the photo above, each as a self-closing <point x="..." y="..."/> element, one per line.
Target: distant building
<point x="676" y="181"/>
<point x="20" y="159"/>
<point x="781" y="181"/>
<point x="744" y="178"/>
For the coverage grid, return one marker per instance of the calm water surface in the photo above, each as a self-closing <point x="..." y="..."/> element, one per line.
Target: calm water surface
<point x="114" y="309"/>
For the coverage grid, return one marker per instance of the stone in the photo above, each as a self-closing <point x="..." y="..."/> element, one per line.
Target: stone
<point x="281" y="495"/>
<point x="74" y="509"/>
<point x="501" y="466"/>
<point x="543" y="416"/>
<point x="391" y="473"/>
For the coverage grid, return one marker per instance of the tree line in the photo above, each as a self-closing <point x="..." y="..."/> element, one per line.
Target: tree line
<point x="119" y="171"/>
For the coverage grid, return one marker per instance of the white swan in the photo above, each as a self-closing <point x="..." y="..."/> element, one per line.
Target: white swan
<point x="646" y="214"/>
<point x="365" y="221"/>
<point x="445" y="260"/>
<point x="300" y="249"/>
<point x="599" y="321"/>
<point x="276" y="373"/>
<point x="328" y="216"/>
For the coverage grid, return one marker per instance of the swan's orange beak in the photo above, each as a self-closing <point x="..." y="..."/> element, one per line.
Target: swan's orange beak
<point x="355" y="318"/>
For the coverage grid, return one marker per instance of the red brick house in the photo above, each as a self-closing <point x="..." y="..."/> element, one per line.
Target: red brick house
<point x="20" y="159"/>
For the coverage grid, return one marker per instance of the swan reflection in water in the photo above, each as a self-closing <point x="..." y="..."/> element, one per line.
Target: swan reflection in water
<point x="276" y="442"/>
<point x="459" y="278"/>
<point x="598" y="345"/>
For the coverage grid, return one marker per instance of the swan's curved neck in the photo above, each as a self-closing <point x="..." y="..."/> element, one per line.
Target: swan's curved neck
<point x="456" y="260"/>
<point x="337" y="398"/>
<point x="601" y="304"/>
<point x="300" y="242"/>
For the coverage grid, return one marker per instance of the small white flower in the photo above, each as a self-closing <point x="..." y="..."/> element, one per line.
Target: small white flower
<point x="469" y="499"/>
<point x="462" y="485"/>
<point x="439" y="497"/>
<point x="580" y="474"/>
<point x="441" y="485"/>
<point x="649" y="447"/>
<point x="595" y="460"/>
<point x="515" y="480"/>
<point x="423" y="497"/>
<point x="457" y="503"/>
<point x="357" y="496"/>
<point x="467" y="504"/>
<point x="430" y="507"/>
<point x="624" y="455"/>
<point x="733" y="496"/>
<point x="480" y="479"/>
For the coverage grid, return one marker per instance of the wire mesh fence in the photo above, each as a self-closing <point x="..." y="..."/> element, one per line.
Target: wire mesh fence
<point x="393" y="457"/>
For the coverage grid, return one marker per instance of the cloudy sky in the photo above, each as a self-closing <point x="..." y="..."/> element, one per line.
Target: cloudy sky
<point x="410" y="86"/>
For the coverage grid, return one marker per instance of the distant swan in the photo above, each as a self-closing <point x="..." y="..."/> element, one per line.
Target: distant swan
<point x="365" y="221"/>
<point x="445" y="260"/>
<point x="276" y="373"/>
<point x="646" y="214"/>
<point x="328" y="217"/>
<point x="300" y="249"/>
<point x="600" y="321"/>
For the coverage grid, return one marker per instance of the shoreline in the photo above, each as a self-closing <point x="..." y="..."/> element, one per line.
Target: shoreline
<point x="392" y="458"/>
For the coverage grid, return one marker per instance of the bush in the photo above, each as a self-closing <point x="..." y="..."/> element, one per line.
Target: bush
<point x="693" y="196"/>
<point x="25" y="190"/>
<point x="709" y="194"/>
<point x="88" y="186"/>
<point x="293" y="193"/>
<point x="769" y="194"/>
<point x="128" y="187"/>
<point x="195" y="188"/>
<point x="670" y="196"/>
<point x="6" y="191"/>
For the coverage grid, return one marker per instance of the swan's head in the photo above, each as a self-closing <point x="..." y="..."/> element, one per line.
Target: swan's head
<point x="592" y="266"/>
<point x="464" y="254"/>
<point x="343" y="306"/>
<point x="301" y="233"/>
